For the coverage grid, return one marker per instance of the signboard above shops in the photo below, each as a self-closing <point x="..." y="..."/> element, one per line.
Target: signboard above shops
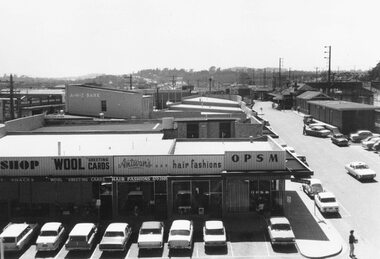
<point x="255" y="160"/>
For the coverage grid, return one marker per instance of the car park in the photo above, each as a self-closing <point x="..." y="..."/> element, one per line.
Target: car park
<point x="326" y="202"/>
<point x="214" y="233"/>
<point x="181" y="234"/>
<point x="116" y="237"/>
<point x="312" y="186"/>
<point x="360" y="135"/>
<point x="81" y="237"/>
<point x="368" y="143"/>
<point x="339" y="139"/>
<point x="360" y="170"/>
<point x="16" y="236"/>
<point x="50" y="237"/>
<point x="317" y="131"/>
<point x="151" y="235"/>
<point x="280" y="231"/>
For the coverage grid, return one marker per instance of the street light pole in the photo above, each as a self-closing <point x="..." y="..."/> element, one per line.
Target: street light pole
<point x="329" y="71"/>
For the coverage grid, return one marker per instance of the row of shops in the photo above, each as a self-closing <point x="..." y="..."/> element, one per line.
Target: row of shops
<point x="162" y="185"/>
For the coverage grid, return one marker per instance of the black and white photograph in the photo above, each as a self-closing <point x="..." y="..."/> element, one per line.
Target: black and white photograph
<point x="204" y="129"/>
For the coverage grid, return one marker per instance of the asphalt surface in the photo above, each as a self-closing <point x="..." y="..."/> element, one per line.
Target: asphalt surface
<point x="359" y="201"/>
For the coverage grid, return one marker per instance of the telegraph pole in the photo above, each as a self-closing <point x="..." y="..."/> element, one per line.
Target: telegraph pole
<point x="329" y="71"/>
<point x="265" y="77"/>
<point x="279" y="72"/>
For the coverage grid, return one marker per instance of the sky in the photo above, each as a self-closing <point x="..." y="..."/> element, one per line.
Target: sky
<point x="50" y="38"/>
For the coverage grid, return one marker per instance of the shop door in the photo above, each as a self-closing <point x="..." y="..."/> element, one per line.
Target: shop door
<point x="105" y="210"/>
<point x="237" y="196"/>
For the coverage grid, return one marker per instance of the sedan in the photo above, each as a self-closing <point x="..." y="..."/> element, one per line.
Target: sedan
<point x="50" y="237"/>
<point x="214" y="233"/>
<point x="360" y="135"/>
<point x="151" y="235"/>
<point x="339" y="139"/>
<point x="181" y="234"/>
<point x="360" y="170"/>
<point x="326" y="202"/>
<point x="81" y="237"/>
<point x="317" y="131"/>
<point x="115" y="237"/>
<point x="369" y="142"/>
<point x="280" y="231"/>
<point x="16" y="236"/>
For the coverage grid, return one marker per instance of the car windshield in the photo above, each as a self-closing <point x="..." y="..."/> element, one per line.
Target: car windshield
<point x="146" y="231"/>
<point x="318" y="128"/>
<point x="114" y="234"/>
<point x="281" y="227"/>
<point x="316" y="187"/>
<point x="331" y="199"/>
<point x="182" y="232"/>
<point x="48" y="233"/>
<point x="219" y="231"/>
<point x="78" y="238"/>
<point x="361" y="167"/>
<point x="9" y="240"/>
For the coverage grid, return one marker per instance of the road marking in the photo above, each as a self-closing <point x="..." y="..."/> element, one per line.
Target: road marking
<point x="156" y="126"/>
<point x="232" y="252"/>
<point x="266" y="244"/>
<point x="129" y="250"/>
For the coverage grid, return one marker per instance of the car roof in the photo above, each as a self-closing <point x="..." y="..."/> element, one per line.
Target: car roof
<point x="14" y="229"/>
<point x="314" y="181"/>
<point x="181" y="224"/>
<point x="151" y="225"/>
<point x="81" y="228"/>
<point x="116" y="226"/>
<point x="214" y="224"/>
<point x="326" y="195"/>
<point x="358" y="163"/>
<point x="51" y="226"/>
<point x="279" y="220"/>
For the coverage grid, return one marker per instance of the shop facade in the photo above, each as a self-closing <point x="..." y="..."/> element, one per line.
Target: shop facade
<point x="109" y="187"/>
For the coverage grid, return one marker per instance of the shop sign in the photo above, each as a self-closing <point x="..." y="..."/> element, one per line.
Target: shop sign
<point x="255" y="160"/>
<point x="39" y="166"/>
<point x="169" y="164"/>
<point x="84" y="95"/>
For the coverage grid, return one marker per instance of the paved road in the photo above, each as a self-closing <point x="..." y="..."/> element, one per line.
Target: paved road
<point x="360" y="202"/>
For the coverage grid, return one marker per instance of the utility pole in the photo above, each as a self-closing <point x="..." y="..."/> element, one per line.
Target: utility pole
<point x="265" y="77"/>
<point x="279" y="72"/>
<point x="11" y="97"/>
<point x="253" y="76"/>
<point x="329" y="71"/>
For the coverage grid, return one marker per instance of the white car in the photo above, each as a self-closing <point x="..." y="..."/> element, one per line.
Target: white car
<point x="214" y="233"/>
<point x="312" y="186"/>
<point x="326" y="202"/>
<point x="81" y="237"/>
<point x="181" y="234"/>
<point x="369" y="142"/>
<point x="280" y="231"/>
<point x="360" y="135"/>
<point x="151" y="235"/>
<point x="115" y="237"/>
<point x="50" y="237"/>
<point x="360" y="170"/>
<point x="16" y="236"/>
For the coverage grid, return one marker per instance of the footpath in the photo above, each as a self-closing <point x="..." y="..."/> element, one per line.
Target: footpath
<point x="316" y="237"/>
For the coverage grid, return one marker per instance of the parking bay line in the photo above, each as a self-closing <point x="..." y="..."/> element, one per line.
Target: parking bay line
<point x="232" y="252"/>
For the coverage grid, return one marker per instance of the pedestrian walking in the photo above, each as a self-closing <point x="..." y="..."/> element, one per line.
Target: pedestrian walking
<point x="352" y="240"/>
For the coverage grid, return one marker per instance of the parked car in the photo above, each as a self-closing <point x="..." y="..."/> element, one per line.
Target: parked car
<point x="181" y="234"/>
<point x="360" y="170"/>
<point x="151" y="235"/>
<point x="360" y="135"/>
<point x="214" y="233"/>
<point x="116" y="237"/>
<point x="368" y="143"/>
<point x="17" y="236"/>
<point x="312" y="187"/>
<point x="326" y="202"/>
<point x="339" y="139"/>
<point x="50" y="237"/>
<point x="317" y="131"/>
<point x="376" y="146"/>
<point x="81" y="237"/>
<point x="280" y="231"/>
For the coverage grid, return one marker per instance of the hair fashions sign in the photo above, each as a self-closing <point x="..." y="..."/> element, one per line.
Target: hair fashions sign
<point x="168" y="164"/>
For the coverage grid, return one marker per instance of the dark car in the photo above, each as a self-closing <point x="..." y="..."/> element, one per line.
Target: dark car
<point x="316" y="130"/>
<point x="339" y="139"/>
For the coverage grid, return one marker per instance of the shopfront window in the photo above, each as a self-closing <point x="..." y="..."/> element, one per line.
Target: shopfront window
<point x="182" y="197"/>
<point x="200" y="195"/>
<point x="259" y="195"/>
<point x="135" y="198"/>
<point x="216" y="200"/>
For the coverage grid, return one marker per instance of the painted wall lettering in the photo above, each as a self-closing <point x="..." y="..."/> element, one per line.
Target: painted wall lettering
<point x="16" y="164"/>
